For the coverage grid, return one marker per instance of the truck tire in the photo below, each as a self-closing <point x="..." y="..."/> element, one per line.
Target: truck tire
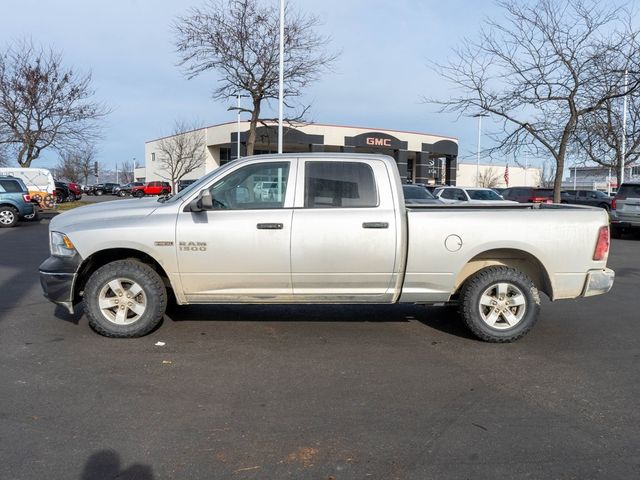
<point x="8" y="216"/>
<point x="499" y="304"/>
<point x="99" y="193"/>
<point x="125" y="299"/>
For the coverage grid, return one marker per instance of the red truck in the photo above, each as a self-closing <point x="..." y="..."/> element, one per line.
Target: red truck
<point x="151" y="188"/>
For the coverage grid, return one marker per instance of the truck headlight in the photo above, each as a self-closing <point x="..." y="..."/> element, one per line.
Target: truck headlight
<point x="61" y="246"/>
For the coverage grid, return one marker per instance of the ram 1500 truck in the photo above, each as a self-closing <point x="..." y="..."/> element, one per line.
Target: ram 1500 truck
<point x="321" y="228"/>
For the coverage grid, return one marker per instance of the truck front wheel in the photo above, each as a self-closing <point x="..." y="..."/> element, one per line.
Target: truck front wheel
<point x="499" y="304"/>
<point x="125" y="299"/>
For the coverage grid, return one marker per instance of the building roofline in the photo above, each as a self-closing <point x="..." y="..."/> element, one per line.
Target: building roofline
<point x="448" y="137"/>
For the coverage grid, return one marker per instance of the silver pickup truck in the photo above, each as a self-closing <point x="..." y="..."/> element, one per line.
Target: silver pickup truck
<point x="321" y="228"/>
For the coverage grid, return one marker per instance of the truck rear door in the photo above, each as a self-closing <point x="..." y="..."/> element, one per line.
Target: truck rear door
<point x="343" y="238"/>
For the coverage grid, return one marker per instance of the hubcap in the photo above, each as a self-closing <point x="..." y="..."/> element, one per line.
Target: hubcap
<point x="7" y="217"/>
<point x="502" y="306"/>
<point x="122" y="301"/>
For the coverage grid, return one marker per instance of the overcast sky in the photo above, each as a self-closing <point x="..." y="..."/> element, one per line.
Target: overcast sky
<point x="378" y="81"/>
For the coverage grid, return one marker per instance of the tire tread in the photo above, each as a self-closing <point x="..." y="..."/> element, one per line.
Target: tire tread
<point x="481" y="280"/>
<point x="158" y="291"/>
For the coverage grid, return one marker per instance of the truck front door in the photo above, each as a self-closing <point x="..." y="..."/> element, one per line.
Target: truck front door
<point x="344" y="234"/>
<point x="239" y="251"/>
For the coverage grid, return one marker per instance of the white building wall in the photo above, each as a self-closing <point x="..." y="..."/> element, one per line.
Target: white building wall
<point x="333" y="135"/>
<point x="466" y="175"/>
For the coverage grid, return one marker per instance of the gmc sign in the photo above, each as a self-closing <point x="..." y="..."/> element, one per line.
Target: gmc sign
<point x="378" y="142"/>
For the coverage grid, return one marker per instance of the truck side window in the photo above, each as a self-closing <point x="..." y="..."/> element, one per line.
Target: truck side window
<point x="256" y="186"/>
<point x="339" y="185"/>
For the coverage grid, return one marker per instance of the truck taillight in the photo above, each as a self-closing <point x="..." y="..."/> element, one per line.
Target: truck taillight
<point x="26" y="197"/>
<point x="602" y="246"/>
<point x="614" y="203"/>
<point x="540" y="200"/>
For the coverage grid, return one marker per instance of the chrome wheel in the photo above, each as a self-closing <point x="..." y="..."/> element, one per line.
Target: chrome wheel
<point x="122" y="301"/>
<point x="7" y="217"/>
<point x="502" y="306"/>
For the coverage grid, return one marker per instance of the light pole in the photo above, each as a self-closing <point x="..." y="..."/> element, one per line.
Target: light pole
<point x="238" y="139"/>
<point x="479" y="115"/>
<point x="238" y="108"/>
<point x="624" y="126"/>
<point x="281" y="78"/>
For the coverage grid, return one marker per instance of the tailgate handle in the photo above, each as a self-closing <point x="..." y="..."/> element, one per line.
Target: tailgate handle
<point x="270" y="226"/>
<point x="375" y="225"/>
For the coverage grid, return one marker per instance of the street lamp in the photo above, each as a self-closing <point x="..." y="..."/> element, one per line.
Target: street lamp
<point x="281" y="78"/>
<point x="479" y="116"/>
<point x="238" y="109"/>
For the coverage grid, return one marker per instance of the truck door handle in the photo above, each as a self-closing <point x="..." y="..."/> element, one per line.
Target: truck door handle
<point x="375" y="225"/>
<point x="270" y="226"/>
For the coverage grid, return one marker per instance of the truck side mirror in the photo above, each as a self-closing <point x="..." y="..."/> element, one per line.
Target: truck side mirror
<point x="204" y="201"/>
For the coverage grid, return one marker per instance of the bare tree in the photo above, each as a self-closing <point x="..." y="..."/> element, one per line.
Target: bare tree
<point x="488" y="178"/>
<point x="598" y="137"/>
<point x="239" y="39"/>
<point x="181" y="153"/>
<point x="76" y="165"/>
<point x="540" y="70"/>
<point x="44" y="104"/>
<point x="126" y="174"/>
<point x="4" y="160"/>
<point x="547" y="174"/>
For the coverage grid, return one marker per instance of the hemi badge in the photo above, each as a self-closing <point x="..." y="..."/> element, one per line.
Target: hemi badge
<point x="163" y="244"/>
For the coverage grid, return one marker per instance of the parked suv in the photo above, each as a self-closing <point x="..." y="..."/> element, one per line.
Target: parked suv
<point x="151" y="188"/>
<point x="104" y="188"/>
<point x="126" y="189"/>
<point x="592" y="198"/>
<point x="63" y="193"/>
<point x="15" y="201"/>
<point x="528" y="194"/>
<point x="625" y="209"/>
<point x="481" y="196"/>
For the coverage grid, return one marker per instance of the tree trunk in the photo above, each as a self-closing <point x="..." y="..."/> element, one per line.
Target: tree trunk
<point x="253" y="123"/>
<point x="557" y="181"/>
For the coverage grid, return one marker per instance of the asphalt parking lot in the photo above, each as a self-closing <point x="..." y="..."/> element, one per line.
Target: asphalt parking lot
<point x="322" y="392"/>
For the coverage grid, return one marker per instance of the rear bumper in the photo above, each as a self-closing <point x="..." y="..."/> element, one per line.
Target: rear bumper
<point x="58" y="279"/>
<point x="598" y="282"/>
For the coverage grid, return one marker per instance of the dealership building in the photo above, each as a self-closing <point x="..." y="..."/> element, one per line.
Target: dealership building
<point x="421" y="157"/>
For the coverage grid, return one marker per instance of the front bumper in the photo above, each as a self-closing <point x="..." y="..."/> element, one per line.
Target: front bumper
<point x="598" y="282"/>
<point x="58" y="279"/>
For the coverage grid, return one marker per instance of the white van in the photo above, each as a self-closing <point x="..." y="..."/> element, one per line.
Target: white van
<point x="39" y="182"/>
<point x="36" y="179"/>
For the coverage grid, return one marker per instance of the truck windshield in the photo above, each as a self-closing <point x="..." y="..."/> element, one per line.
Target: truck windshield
<point x="197" y="185"/>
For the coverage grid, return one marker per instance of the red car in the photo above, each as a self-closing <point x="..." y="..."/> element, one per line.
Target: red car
<point x="151" y="188"/>
<point x="75" y="189"/>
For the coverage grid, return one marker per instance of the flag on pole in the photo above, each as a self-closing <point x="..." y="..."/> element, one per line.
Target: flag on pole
<point x="506" y="174"/>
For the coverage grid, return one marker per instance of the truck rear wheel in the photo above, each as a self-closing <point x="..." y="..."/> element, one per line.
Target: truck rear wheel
<point x="499" y="304"/>
<point x="125" y="299"/>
